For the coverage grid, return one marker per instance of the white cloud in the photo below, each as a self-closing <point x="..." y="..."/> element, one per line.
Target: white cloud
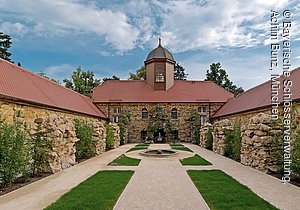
<point x="72" y="16"/>
<point x="13" y="28"/>
<point x="60" y="72"/>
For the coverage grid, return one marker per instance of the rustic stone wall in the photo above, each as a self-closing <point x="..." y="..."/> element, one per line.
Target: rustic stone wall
<point x="137" y="124"/>
<point x="203" y="133"/>
<point x="260" y="147"/>
<point x="59" y="128"/>
<point x="219" y="130"/>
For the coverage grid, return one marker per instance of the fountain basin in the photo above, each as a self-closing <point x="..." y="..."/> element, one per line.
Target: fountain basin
<point x="159" y="152"/>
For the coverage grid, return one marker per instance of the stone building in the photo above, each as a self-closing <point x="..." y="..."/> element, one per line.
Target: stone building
<point x="179" y="101"/>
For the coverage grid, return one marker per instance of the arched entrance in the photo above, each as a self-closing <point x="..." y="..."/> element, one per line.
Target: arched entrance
<point x="160" y="136"/>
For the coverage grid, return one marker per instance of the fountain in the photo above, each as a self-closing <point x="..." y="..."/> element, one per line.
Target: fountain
<point x="159" y="152"/>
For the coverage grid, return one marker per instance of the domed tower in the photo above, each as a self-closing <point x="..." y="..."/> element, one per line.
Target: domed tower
<point x="160" y="68"/>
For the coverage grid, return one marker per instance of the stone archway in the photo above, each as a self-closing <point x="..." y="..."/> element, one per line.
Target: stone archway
<point x="159" y="136"/>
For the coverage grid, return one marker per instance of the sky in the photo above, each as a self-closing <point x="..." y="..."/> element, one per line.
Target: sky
<point x="113" y="37"/>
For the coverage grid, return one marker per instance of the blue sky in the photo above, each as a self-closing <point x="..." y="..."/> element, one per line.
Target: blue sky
<point x="114" y="37"/>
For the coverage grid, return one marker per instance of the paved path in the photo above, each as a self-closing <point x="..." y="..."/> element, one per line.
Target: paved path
<point x="283" y="196"/>
<point x="160" y="184"/>
<point x="42" y="193"/>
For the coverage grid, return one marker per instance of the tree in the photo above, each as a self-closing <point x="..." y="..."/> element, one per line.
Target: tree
<point x="113" y="77"/>
<point x="43" y="74"/>
<point x="139" y="75"/>
<point x="179" y="73"/>
<point x="4" y="46"/>
<point x="81" y="81"/>
<point x="219" y="76"/>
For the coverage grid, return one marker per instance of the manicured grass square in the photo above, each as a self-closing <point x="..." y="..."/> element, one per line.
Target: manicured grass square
<point x="194" y="161"/>
<point x="123" y="160"/>
<point x="100" y="191"/>
<point x="221" y="191"/>
<point x="180" y="147"/>
<point x="139" y="147"/>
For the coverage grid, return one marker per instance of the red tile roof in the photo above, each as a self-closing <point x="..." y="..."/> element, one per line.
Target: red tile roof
<point x="259" y="96"/>
<point x="21" y="84"/>
<point x="181" y="91"/>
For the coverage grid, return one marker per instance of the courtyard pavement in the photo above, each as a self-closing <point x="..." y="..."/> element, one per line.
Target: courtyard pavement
<point x="157" y="184"/>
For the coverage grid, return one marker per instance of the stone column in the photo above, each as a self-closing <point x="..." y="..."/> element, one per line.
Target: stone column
<point x="260" y="146"/>
<point x="99" y="135"/>
<point x="218" y="133"/>
<point x="203" y="133"/>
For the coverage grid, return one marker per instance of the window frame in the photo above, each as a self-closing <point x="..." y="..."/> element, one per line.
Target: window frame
<point x="174" y="114"/>
<point x="145" y="113"/>
<point x="159" y="73"/>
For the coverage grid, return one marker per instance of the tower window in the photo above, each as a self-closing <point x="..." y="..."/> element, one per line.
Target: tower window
<point x="144" y="113"/>
<point x="159" y="73"/>
<point x="174" y="113"/>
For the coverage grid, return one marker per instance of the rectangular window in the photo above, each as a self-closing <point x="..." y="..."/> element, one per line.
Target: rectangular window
<point x="116" y="110"/>
<point x="143" y="135"/>
<point x="202" y="109"/>
<point x="115" y="119"/>
<point x="203" y="119"/>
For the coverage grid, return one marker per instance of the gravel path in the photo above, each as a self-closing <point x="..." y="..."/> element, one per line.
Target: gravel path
<point x="160" y="184"/>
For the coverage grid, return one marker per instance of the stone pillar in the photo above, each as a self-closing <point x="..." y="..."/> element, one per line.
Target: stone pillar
<point x="61" y="132"/>
<point x="203" y="133"/>
<point x="99" y="135"/>
<point x="260" y="148"/>
<point x="116" y="130"/>
<point x="218" y="133"/>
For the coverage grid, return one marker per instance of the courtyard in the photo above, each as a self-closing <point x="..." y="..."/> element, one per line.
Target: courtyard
<point x="156" y="183"/>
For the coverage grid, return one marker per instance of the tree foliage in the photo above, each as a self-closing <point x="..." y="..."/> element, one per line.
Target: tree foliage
<point x="109" y="137"/>
<point x="233" y="142"/>
<point x="43" y="74"/>
<point x="113" y="77"/>
<point x="179" y="72"/>
<point x="296" y="155"/>
<point x="139" y="75"/>
<point x="219" y="76"/>
<point x="81" y="81"/>
<point x="5" y="42"/>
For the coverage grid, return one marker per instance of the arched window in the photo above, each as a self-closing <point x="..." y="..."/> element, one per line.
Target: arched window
<point x="174" y="113"/>
<point x="144" y="113"/>
<point x="159" y="73"/>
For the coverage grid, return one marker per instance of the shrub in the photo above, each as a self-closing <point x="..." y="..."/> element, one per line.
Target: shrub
<point x="122" y="133"/>
<point x="109" y="137"/>
<point x="233" y="143"/>
<point x="196" y="139"/>
<point x="86" y="146"/>
<point x="40" y="151"/>
<point x="209" y="140"/>
<point x="14" y="152"/>
<point x="296" y="155"/>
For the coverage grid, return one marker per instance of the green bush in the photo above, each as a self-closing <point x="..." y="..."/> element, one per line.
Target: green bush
<point x="209" y="140"/>
<point x="296" y="155"/>
<point x="15" y="152"/>
<point x="233" y="141"/>
<point x="109" y="137"/>
<point x="122" y="133"/>
<point x="40" y="151"/>
<point x="86" y="146"/>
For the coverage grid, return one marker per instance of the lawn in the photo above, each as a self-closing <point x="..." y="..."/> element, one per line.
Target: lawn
<point x="196" y="160"/>
<point x="139" y="147"/>
<point x="100" y="191"/>
<point x="221" y="191"/>
<point x="180" y="147"/>
<point x="123" y="160"/>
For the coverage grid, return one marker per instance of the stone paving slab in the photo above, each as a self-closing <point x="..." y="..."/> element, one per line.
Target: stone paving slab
<point x="160" y="184"/>
<point x="42" y="193"/>
<point x="283" y="196"/>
